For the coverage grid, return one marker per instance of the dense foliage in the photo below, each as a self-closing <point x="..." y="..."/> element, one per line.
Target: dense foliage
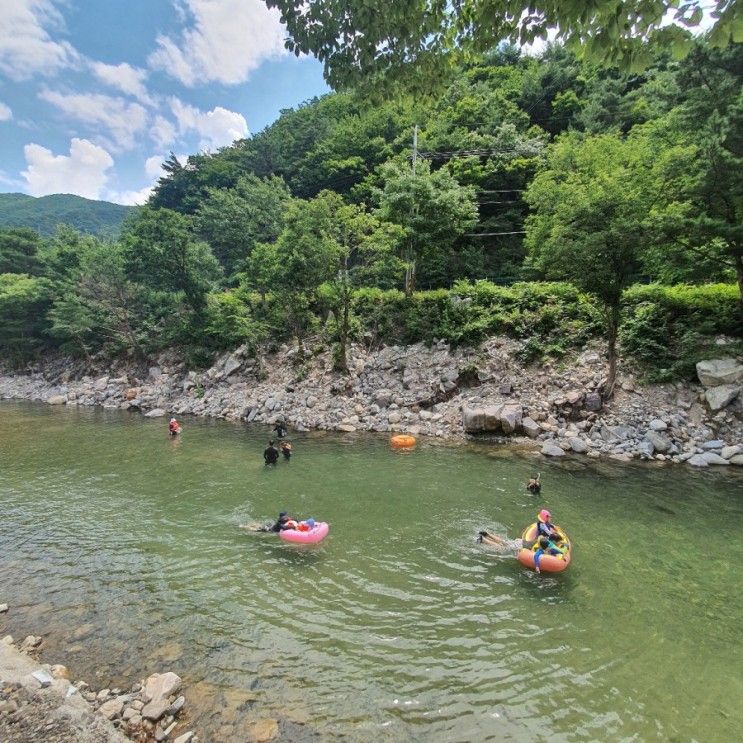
<point x="414" y="219"/>
<point x="45" y="213"/>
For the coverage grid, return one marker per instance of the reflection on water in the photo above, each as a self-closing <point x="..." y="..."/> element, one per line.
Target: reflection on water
<point x="122" y="547"/>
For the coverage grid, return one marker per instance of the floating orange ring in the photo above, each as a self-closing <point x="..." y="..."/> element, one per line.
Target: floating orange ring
<point x="402" y="441"/>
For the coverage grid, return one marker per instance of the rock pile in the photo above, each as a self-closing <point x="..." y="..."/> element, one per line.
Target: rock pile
<point x="436" y="391"/>
<point x="40" y="697"/>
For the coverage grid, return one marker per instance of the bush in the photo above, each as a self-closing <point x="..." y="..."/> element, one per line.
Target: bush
<point x="548" y="317"/>
<point x="667" y="329"/>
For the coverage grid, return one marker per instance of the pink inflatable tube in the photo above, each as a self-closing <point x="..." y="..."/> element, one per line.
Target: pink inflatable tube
<point x="316" y="534"/>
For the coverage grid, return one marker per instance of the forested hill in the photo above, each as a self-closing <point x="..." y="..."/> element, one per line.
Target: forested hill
<point x="45" y="213"/>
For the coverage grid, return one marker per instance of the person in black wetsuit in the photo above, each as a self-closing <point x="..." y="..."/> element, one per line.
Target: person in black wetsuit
<point x="280" y="429"/>
<point x="285" y="521"/>
<point x="271" y="454"/>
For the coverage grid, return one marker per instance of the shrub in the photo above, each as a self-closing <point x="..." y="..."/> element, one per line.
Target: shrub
<point x="667" y="329"/>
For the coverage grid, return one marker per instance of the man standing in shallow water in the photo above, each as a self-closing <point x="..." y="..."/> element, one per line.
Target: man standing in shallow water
<point x="271" y="454"/>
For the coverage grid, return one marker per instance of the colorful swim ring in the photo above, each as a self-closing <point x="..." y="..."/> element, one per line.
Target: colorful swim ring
<point x="402" y="441"/>
<point x="316" y="534"/>
<point x="547" y="563"/>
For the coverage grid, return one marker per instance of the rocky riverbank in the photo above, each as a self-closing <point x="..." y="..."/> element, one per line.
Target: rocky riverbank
<point x="433" y="391"/>
<point x="39" y="702"/>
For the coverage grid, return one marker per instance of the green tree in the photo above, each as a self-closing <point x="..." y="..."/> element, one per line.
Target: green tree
<point x="24" y="301"/>
<point x="588" y="208"/>
<point x="432" y="208"/>
<point x="411" y="42"/>
<point x="19" y="247"/>
<point x="161" y="252"/>
<point x="233" y="220"/>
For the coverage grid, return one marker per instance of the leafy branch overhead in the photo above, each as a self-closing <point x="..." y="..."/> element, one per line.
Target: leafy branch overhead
<point x="386" y="42"/>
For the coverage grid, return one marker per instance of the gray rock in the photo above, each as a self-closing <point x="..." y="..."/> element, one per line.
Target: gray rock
<point x="730" y="451"/>
<point x="737" y="459"/>
<point x="348" y="428"/>
<point x="550" y="449"/>
<point x="482" y="419"/>
<point x="510" y="418"/>
<point x="593" y="402"/>
<point x="530" y="427"/>
<point x="155" y="709"/>
<point x="383" y="397"/>
<point x="661" y="443"/>
<point x="57" y="399"/>
<point x="716" y="372"/>
<point x="112" y="708"/>
<point x="394" y="417"/>
<point x="3" y="608"/>
<point x="177" y="705"/>
<point x="715" y="444"/>
<point x="646" y="448"/>
<point x="578" y="445"/>
<point x="156" y="413"/>
<point x="154" y="372"/>
<point x="657" y="425"/>
<point x="720" y="397"/>
<point x="43" y="678"/>
<point x="232" y="365"/>
<point x="697" y="460"/>
<point x="712" y="458"/>
<point x="185" y="738"/>
<point x="608" y="435"/>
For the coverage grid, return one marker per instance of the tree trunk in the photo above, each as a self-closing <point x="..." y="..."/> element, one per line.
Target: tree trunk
<point x="612" y="330"/>
<point x="410" y="279"/>
<point x="739" y="274"/>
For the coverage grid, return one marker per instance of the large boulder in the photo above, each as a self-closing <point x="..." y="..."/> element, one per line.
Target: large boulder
<point x="661" y="443"/>
<point x="714" y="372"/>
<point x="57" y="399"/>
<point x="510" y="418"/>
<point x="485" y="419"/>
<point x="721" y="396"/>
<point x="530" y="427"/>
<point x="161" y="685"/>
<point x="550" y="449"/>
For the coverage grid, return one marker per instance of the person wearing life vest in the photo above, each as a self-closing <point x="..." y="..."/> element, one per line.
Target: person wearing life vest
<point x="285" y="521"/>
<point x="174" y="427"/>
<point x="545" y="528"/>
<point x="546" y="546"/>
<point x="286" y="450"/>
<point x="307" y="525"/>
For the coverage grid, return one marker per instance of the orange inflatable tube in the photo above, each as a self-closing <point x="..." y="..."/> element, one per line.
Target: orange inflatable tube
<point x="547" y="563"/>
<point x="402" y="441"/>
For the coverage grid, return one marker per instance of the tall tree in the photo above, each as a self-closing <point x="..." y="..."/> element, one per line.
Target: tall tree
<point x="588" y="206"/>
<point x="161" y="252"/>
<point x="19" y="247"/>
<point x="432" y="208"/>
<point x="233" y="220"/>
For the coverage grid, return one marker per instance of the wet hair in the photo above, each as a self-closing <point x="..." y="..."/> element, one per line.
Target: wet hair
<point x="271" y="442"/>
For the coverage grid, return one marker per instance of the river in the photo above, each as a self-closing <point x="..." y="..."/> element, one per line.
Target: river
<point x="122" y="547"/>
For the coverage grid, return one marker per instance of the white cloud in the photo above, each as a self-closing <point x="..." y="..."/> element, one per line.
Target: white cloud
<point x="121" y="119"/>
<point x="229" y="39"/>
<point x="82" y="172"/>
<point x="130" y="198"/>
<point x="153" y="166"/>
<point x="26" y="48"/>
<point x="217" y="128"/>
<point x="163" y="132"/>
<point x="124" y="77"/>
<point x="5" y="113"/>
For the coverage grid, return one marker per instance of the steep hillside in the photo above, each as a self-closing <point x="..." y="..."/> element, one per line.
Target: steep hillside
<point x="44" y="213"/>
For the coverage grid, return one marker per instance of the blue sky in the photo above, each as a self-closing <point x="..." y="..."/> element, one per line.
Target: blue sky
<point x="94" y="94"/>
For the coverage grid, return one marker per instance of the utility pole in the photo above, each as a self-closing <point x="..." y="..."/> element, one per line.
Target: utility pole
<point x="415" y="146"/>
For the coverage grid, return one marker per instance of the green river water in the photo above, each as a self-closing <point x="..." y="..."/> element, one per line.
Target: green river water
<point x="122" y="548"/>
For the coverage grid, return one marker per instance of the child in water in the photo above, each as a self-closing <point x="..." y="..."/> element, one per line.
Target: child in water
<point x="547" y="546"/>
<point x="286" y="450"/>
<point x="534" y="486"/>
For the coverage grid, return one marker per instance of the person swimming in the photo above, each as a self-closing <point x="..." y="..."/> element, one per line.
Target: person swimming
<point x="534" y="485"/>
